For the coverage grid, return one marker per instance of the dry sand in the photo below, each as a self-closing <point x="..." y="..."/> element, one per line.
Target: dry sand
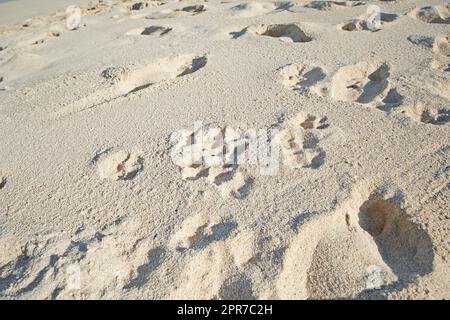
<point x="92" y="204"/>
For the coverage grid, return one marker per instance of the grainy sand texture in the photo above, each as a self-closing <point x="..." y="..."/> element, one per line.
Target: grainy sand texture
<point x="224" y="149"/>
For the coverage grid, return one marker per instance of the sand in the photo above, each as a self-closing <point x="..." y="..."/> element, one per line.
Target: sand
<point x="106" y="192"/>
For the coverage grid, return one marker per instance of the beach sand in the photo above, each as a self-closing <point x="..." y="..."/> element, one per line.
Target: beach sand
<point x="94" y="206"/>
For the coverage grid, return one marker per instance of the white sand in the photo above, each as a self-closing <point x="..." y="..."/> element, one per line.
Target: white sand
<point x="92" y="205"/>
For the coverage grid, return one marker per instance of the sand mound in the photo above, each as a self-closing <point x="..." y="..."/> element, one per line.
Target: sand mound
<point x="432" y="14"/>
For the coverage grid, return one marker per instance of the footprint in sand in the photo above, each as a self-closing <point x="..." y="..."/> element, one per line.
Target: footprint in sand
<point x="364" y="82"/>
<point x="151" y="30"/>
<point x="368" y="244"/>
<point x="221" y="253"/>
<point x="286" y="32"/>
<point x="432" y="14"/>
<point x="364" y="22"/>
<point x="121" y="165"/>
<point x="330" y="5"/>
<point x="299" y="144"/>
<point x="139" y="79"/>
<point x="302" y="77"/>
<point x="428" y="114"/>
<point x="441" y="45"/>
<point x="253" y="9"/>
<point x="440" y="65"/>
<point x="214" y="154"/>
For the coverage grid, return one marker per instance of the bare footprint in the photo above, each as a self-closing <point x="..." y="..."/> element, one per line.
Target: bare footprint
<point x="428" y="114"/>
<point x="363" y="82"/>
<point x="299" y="145"/>
<point x="121" y="165"/>
<point x="214" y="154"/>
<point x="287" y="32"/>
<point x="139" y="79"/>
<point x="432" y="14"/>
<point x="368" y="244"/>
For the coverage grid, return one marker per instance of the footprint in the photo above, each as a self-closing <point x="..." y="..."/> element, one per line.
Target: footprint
<point x="366" y="245"/>
<point x="440" y="65"/>
<point x="139" y="5"/>
<point x="429" y="115"/>
<point x="301" y="77"/>
<point x="441" y="45"/>
<point x="363" y="82"/>
<point x="138" y="79"/>
<point x="253" y="9"/>
<point x="329" y="5"/>
<point x="214" y="154"/>
<point x="286" y="32"/>
<point x="432" y="14"/>
<point x="121" y="165"/>
<point x="199" y="231"/>
<point x="364" y="22"/>
<point x="215" y="270"/>
<point x="154" y="260"/>
<point x="152" y="30"/>
<point x="299" y="145"/>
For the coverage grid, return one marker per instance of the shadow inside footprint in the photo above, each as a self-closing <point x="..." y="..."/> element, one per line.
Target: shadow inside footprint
<point x="156" y="30"/>
<point x="218" y="232"/>
<point x="377" y="84"/>
<point x="296" y="222"/>
<point x="290" y="31"/>
<point x="312" y="77"/>
<point x="421" y="40"/>
<point x="392" y="100"/>
<point x="404" y="246"/>
<point x="154" y="260"/>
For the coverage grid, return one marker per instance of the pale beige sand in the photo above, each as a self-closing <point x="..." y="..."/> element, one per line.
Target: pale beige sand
<point x="92" y="205"/>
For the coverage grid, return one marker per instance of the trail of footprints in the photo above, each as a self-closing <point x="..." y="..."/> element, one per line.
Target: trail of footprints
<point x="315" y="265"/>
